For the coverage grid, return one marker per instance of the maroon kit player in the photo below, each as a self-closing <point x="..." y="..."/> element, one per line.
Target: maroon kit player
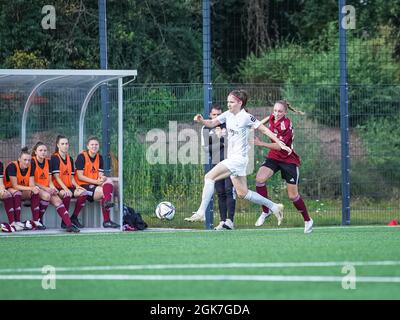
<point x="280" y="160"/>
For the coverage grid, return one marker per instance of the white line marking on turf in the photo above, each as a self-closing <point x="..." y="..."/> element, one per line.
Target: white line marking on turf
<point x="124" y="277"/>
<point x="169" y="230"/>
<point x="233" y="265"/>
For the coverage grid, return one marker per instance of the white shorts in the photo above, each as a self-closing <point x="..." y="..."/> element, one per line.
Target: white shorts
<point x="236" y="165"/>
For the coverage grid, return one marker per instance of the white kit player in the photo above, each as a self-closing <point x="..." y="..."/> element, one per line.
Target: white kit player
<point x="238" y="125"/>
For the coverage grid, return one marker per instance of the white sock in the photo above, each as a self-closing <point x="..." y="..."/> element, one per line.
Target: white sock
<point x="274" y="208"/>
<point x="259" y="199"/>
<point x="208" y="191"/>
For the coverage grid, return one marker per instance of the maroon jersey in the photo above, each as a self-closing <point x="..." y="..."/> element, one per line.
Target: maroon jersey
<point x="283" y="129"/>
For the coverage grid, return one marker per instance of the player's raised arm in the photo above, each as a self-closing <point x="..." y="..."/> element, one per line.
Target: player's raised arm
<point x="273" y="146"/>
<point x="265" y="120"/>
<point x="270" y="134"/>
<point x="210" y="123"/>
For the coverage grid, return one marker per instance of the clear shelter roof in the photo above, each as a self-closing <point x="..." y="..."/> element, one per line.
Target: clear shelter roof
<point x="26" y="86"/>
<point x="29" y="79"/>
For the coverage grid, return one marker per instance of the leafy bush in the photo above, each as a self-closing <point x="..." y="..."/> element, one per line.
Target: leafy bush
<point x="10" y="120"/>
<point x="151" y="107"/>
<point x="271" y="67"/>
<point x="147" y="184"/>
<point x="310" y="76"/>
<point x="26" y="60"/>
<point x="380" y="140"/>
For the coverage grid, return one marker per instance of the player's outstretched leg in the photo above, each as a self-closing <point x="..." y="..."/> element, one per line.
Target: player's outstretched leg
<point x="208" y="191"/>
<point x="277" y="209"/>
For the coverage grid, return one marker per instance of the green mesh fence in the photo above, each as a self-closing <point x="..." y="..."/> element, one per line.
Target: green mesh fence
<point x="374" y="187"/>
<point x="273" y="48"/>
<point x="170" y="108"/>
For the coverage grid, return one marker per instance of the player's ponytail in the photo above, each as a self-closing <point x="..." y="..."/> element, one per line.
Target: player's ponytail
<point x="287" y="106"/>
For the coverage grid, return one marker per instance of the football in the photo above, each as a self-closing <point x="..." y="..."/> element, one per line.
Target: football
<point x="165" y="210"/>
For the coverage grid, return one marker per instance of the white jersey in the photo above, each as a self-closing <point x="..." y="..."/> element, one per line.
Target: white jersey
<point x="238" y="127"/>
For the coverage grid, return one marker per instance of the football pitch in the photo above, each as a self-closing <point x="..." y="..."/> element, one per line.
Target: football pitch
<point x="331" y="263"/>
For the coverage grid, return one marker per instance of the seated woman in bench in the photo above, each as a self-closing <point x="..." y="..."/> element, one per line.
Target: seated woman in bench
<point x="62" y="170"/>
<point x="6" y="197"/>
<point x="19" y="181"/>
<point x="48" y="193"/>
<point x="90" y="175"/>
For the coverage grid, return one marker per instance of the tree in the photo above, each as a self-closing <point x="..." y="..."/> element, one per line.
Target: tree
<point x="25" y="60"/>
<point x="160" y="38"/>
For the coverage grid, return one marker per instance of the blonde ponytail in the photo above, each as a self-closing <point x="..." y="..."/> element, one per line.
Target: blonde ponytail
<point x="288" y="106"/>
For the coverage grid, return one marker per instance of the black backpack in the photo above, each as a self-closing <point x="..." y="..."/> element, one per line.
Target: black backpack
<point x="133" y="219"/>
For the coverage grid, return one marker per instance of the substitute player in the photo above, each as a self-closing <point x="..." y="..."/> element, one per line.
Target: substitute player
<point x="6" y="197"/>
<point x="48" y="193"/>
<point x="90" y="175"/>
<point x="62" y="169"/>
<point x="19" y="181"/>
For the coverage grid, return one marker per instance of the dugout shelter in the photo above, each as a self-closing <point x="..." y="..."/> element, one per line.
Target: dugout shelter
<point x="40" y="104"/>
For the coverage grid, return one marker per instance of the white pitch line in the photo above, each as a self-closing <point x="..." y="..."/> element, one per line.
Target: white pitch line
<point x="271" y="278"/>
<point x="35" y="234"/>
<point x="233" y="265"/>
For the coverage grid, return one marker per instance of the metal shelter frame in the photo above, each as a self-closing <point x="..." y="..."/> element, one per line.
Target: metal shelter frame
<point x="30" y="81"/>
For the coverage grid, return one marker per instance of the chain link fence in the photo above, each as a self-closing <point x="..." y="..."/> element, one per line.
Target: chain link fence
<point x="274" y="49"/>
<point x="374" y="186"/>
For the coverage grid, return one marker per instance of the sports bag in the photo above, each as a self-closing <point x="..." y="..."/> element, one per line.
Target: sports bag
<point x="133" y="219"/>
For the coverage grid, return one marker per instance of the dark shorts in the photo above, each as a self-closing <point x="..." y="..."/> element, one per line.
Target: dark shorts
<point x="289" y="171"/>
<point x="90" y="188"/>
<point x="72" y="189"/>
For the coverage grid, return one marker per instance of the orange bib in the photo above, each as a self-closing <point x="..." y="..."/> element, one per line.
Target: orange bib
<point x="65" y="172"/>
<point x="91" y="169"/>
<point x="42" y="176"/>
<point x="21" y="180"/>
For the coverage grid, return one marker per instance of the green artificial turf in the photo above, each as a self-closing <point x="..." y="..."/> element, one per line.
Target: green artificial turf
<point x="121" y="253"/>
